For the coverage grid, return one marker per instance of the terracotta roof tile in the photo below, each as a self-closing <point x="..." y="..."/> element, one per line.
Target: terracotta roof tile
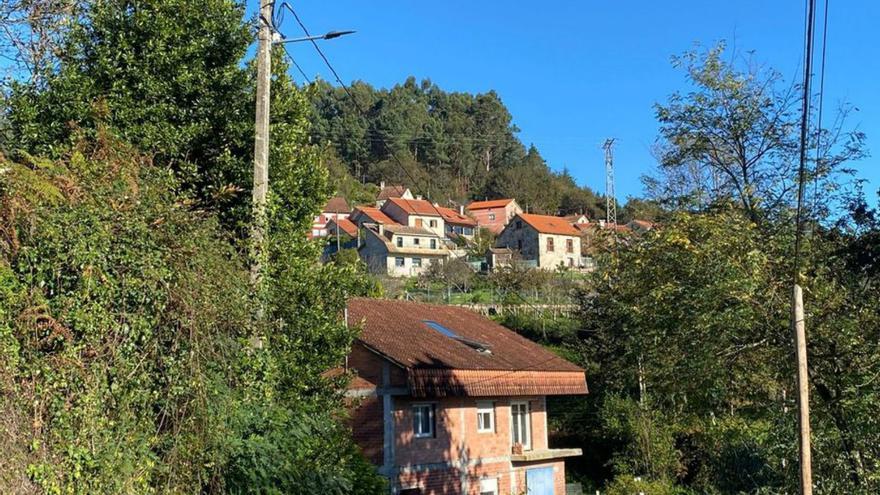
<point x="438" y="363"/>
<point x="549" y="225"/>
<point x="375" y="215"/>
<point x="415" y="206"/>
<point x="451" y="216"/>
<point x="345" y="225"/>
<point x="492" y="203"/>
<point x="389" y="192"/>
<point x="337" y="204"/>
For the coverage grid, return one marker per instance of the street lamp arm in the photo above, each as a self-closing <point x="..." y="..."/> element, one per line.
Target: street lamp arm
<point x="329" y="36"/>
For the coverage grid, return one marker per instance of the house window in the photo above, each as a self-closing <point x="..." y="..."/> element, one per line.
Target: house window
<point x="416" y="241"/>
<point x="518" y="224"/>
<point x="411" y="491"/>
<point x="549" y="244"/>
<point x="400" y="242"/>
<point x="571" y="262"/>
<point x="569" y="245"/>
<point x="489" y="486"/>
<point x="398" y="261"/>
<point x="491" y="217"/>
<point x="417" y="263"/>
<point x="520" y="426"/>
<point x="432" y="223"/>
<point x="433" y="243"/>
<point x="468" y="231"/>
<point x="418" y="222"/>
<point x="423" y="420"/>
<point x="485" y="417"/>
<point x="519" y="244"/>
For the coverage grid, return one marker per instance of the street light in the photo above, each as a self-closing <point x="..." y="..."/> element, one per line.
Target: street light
<point x="328" y="36"/>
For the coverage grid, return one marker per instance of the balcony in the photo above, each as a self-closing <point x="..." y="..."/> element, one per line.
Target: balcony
<point x="545" y="454"/>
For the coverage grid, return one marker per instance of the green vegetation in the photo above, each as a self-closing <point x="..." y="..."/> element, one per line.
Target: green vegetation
<point x="455" y="146"/>
<point x="128" y="361"/>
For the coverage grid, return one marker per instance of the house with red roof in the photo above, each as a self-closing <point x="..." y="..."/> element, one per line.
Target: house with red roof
<point x="400" y="250"/>
<point x="494" y="214"/>
<point x="457" y="223"/>
<point x="445" y="401"/>
<point x="415" y="213"/>
<point x="547" y="241"/>
<point x="336" y="208"/>
<point x="388" y="192"/>
<point x="369" y="215"/>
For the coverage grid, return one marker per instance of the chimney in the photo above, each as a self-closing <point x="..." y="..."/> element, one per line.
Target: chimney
<point x="461" y="210"/>
<point x="419" y="197"/>
<point x="381" y="184"/>
<point x="381" y="229"/>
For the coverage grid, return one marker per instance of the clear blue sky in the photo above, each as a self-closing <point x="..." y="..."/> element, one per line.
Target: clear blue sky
<point x="573" y="73"/>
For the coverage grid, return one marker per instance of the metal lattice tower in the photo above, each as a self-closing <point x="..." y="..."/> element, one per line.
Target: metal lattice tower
<point x="610" y="203"/>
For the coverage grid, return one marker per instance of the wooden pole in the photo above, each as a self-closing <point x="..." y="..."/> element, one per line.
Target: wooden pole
<point x="803" y="390"/>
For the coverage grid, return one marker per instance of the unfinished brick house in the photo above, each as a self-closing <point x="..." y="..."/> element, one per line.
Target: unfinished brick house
<point x="449" y="402"/>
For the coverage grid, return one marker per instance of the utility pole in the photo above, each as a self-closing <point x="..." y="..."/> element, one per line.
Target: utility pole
<point x="797" y="297"/>
<point x="261" y="149"/>
<point x="610" y="203"/>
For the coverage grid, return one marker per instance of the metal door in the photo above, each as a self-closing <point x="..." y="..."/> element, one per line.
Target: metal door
<point x="539" y="481"/>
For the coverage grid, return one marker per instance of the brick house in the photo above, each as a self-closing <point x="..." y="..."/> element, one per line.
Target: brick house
<point x="335" y="209"/>
<point x="399" y="250"/>
<point x="547" y="241"/>
<point x="415" y="213"/>
<point x="446" y="401"/>
<point x="494" y="214"/>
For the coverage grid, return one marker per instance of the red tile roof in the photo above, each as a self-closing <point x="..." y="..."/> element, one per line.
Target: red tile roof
<point x="440" y="364"/>
<point x="375" y="215"/>
<point x="546" y="224"/>
<point x="337" y="205"/>
<point x="345" y="226"/>
<point x="492" y="203"/>
<point x="451" y="216"/>
<point x="415" y="206"/>
<point x="389" y="192"/>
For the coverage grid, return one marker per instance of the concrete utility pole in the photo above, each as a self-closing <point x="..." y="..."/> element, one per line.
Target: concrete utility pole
<point x="803" y="387"/>
<point x="610" y="203"/>
<point x="261" y="146"/>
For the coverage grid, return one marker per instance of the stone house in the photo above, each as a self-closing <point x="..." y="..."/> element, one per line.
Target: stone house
<point x="368" y="214"/>
<point x="399" y="250"/>
<point x="548" y="241"/>
<point x="445" y="401"/>
<point x="415" y="213"/>
<point x="494" y="214"/>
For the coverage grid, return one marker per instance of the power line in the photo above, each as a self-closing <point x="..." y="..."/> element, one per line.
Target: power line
<point x="821" y="106"/>
<point x="354" y="100"/>
<point x="292" y="61"/>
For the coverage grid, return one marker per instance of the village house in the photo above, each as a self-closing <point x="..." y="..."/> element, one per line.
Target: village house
<point x="446" y="401"/>
<point x="415" y="213"/>
<point x="494" y="214"/>
<point x="457" y="223"/>
<point x="399" y="250"/>
<point x="336" y="208"/>
<point x="368" y="214"/>
<point x="549" y="242"/>
<point x="388" y="192"/>
<point x="342" y="227"/>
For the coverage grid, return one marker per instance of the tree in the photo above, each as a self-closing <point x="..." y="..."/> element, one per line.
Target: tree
<point x="735" y="135"/>
<point x="706" y="298"/>
<point x="452" y="273"/>
<point x="161" y="75"/>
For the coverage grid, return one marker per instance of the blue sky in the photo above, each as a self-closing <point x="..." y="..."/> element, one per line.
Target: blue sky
<point x="573" y="73"/>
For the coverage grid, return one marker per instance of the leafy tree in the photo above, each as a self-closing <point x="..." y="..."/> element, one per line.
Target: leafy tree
<point x="735" y="135"/>
<point x="160" y="74"/>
